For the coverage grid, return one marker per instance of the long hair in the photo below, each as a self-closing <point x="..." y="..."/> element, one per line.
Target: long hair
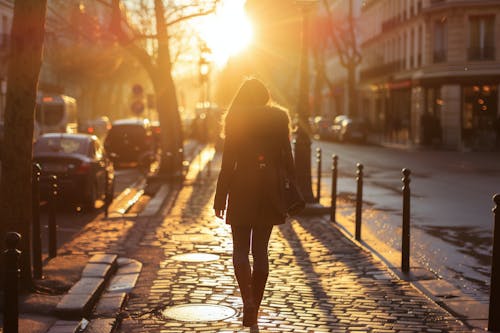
<point x="251" y="95"/>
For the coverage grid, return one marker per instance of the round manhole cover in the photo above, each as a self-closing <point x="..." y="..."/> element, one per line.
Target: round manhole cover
<point x="199" y="312"/>
<point x="195" y="257"/>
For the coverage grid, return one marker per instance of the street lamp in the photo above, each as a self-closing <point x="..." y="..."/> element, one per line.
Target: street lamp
<point x="205" y="58"/>
<point x="302" y="139"/>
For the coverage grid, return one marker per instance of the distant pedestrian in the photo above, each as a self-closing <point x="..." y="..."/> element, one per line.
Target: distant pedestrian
<point x="256" y="149"/>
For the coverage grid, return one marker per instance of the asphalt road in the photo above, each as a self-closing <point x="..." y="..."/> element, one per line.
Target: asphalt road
<point x="451" y="203"/>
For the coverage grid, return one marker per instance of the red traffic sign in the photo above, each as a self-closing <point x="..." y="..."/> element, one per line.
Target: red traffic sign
<point x="137" y="89"/>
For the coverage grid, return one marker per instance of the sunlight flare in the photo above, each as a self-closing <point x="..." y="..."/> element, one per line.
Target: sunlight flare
<point x="227" y="32"/>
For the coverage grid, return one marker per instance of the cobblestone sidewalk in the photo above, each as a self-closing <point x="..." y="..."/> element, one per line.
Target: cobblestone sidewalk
<point x="319" y="281"/>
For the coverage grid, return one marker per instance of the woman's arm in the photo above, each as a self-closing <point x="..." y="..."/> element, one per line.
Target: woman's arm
<point x="286" y="146"/>
<point x="224" y="180"/>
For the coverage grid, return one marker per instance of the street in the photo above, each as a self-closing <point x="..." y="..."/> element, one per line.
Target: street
<point x="451" y="203"/>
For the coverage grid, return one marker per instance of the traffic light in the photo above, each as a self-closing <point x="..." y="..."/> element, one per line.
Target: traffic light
<point x="137" y="100"/>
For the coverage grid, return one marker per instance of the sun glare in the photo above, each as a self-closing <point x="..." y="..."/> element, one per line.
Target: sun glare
<point x="227" y="32"/>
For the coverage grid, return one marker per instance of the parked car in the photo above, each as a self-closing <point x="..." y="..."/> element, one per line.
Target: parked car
<point x="352" y="130"/>
<point x="322" y="128"/>
<point x="130" y="143"/>
<point x="84" y="171"/>
<point x="337" y="126"/>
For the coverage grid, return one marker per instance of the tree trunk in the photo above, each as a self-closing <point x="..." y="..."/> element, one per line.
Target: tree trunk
<point x="319" y="70"/>
<point x="171" y="126"/>
<point x="166" y="98"/>
<point x="22" y="77"/>
<point x="351" y="91"/>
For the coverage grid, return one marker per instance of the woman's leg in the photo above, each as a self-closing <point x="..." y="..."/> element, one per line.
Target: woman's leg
<point x="242" y="271"/>
<point x="260" y="242"/>
<point x="241" y="264"/>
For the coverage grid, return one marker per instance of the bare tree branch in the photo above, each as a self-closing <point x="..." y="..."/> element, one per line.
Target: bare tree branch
<point x="127" y="42"/>
<point x="193" y="15"/>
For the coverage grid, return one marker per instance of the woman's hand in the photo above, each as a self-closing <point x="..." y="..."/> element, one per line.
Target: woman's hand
<point x="219" y="213"/>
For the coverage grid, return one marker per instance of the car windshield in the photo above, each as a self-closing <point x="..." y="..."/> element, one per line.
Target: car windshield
<point x="60" y="145"/>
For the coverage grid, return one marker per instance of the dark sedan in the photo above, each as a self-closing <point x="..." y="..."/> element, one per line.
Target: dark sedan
<point x="84" y="172"/>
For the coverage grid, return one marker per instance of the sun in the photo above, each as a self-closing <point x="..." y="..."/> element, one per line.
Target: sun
<point x="227" y="32"/>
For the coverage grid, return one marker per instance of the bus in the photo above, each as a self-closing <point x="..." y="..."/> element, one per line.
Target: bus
<point x="55" y="113"/>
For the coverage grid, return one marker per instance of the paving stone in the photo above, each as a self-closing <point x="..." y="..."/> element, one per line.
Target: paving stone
<point x="87" y="285"/>
<point x="109" y="305"/>
<point x="471" y="309"/>
<point x="97" y="270"/>
<point x="74" y="306"/>
<point x="128" y="266"/>
<point x="104" y="258"/>
<point x="122" y="283"/>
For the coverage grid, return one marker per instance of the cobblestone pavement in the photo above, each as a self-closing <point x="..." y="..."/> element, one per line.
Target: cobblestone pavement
<point x="319" y="282"/>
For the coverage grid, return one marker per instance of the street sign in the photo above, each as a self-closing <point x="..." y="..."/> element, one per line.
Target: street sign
<point x="137" y="90"/>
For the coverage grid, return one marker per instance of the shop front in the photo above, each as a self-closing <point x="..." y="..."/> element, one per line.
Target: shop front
<point x="480" y="119"/>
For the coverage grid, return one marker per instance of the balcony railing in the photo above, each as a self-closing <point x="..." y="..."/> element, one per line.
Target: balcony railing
<point x="481" y="53"/>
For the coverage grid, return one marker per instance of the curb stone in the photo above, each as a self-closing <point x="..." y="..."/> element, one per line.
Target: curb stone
<point x="80" y="300"/>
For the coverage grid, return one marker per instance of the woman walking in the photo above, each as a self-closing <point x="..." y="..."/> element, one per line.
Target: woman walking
<point x="256" y="152"/>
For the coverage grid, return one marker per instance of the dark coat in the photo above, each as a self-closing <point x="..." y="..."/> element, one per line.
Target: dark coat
<point x="256" y="151"/>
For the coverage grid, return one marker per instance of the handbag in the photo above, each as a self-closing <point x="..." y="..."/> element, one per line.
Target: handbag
<point x="293" y="199"/>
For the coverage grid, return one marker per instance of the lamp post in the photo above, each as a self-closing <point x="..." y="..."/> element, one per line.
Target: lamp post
<point x="205" y="54"/>
<point x="302" y="138"/>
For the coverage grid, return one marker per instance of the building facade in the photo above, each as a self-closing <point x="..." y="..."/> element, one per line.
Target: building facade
<point x="431" y="71"/>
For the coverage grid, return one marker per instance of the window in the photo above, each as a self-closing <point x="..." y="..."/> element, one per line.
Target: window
<point x="440" y="40"/>
<point x="481" y="38"/>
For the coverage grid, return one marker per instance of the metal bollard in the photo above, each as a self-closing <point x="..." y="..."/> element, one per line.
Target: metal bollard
<point x="359" y="200"/>
<point x="318" y="187"/>
<point x="493" y="317"/>
<point x="108" y="196"/>
<point x="35" y="231"/>
<point x="333" y="209"/>
<point x="52" y="217"/>
<point x="167" y="163"/>
<point x="405" y="246"/>
<point x="11" y="297"/>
